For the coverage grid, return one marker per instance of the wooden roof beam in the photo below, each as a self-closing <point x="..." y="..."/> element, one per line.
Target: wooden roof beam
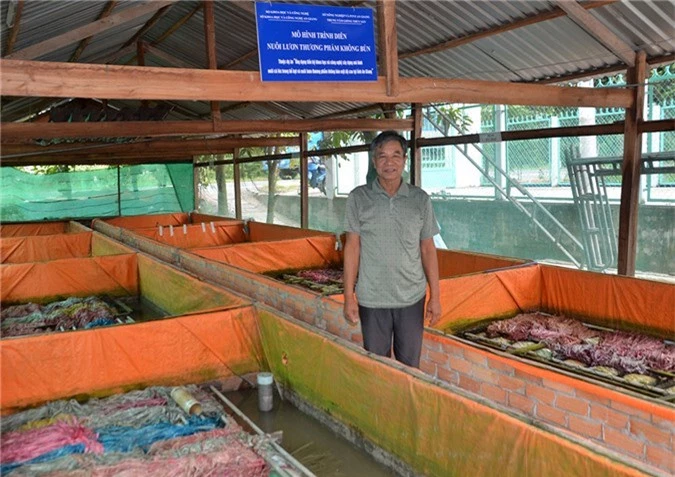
<point x="211" y="53"/>
<point x="598" y="30"/>
<point x="145" y="28"/>
<point x="170" y="59"/>
<point x="388" y="41"/>
<point x="13" y="132"/>
<point x="652" y="63"/>
<point x="107" y="160"/>
<point x="238" y="60"/>
<point x="369" y="108"/>
<point x="93" y="28"/>
<point x="51" y="79"/>
<point x="540" y="17"/>
<point x="177" y="25"/>
<point x="156" y="146"/>
<point x="83" y="44"/>
<point x="172" y="29"/>
<point x="16" y="25"/>
<point x="282" y="109"/>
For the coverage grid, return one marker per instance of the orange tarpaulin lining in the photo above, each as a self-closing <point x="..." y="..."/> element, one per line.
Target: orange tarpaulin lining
<point x="311" y="252"/>
<point x="22" y="230"/>
<point x="618" y="302"/>
<point x="103" y="361"/>
<point x="145" y="221"/>
<point x="40" y="248"/>
<point x="455" y="262"/>
<point x="196" y="217"/>
<point x="199" y="235"/>
<point x="436" y="431"/>
<point x="103" y="245"/>
<point x="259" y="232"/>
<point x="467" y="300"/>
<point x="612" y="300"/>
<point x="178" y="293"/>
<point x="45" y="281"/>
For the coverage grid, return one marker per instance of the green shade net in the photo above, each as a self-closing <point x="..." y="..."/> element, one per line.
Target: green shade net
<point x="104" y="192"/>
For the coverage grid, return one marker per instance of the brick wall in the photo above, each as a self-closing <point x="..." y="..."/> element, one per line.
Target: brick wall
<point x="636" y="428"/>
<point x="631" y="426"/>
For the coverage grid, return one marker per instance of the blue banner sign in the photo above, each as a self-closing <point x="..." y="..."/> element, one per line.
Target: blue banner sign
<point x="315" y="43"/>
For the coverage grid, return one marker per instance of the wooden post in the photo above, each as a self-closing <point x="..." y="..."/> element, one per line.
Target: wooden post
<point x="195" y="184"/>
<point x="16" y="24"/>
<point x="630" y="169"/>
<point x="304" y="183"/>
<point x="415" y="150"/>
<point x="210" y="36"/>
<point x="388" y="44"/>
<point x="237" y="183"/>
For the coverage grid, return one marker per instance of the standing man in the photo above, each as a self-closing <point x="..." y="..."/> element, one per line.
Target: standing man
<point x="390" y="247"/>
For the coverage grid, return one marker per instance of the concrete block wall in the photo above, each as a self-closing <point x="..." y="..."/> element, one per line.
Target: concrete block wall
<point x="497" y="227"/>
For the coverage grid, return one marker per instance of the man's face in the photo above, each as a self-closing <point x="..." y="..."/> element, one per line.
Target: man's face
<point x="389" y="161"/>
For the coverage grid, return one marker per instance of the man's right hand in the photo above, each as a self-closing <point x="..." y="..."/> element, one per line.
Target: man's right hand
<point x="351" y="310"/>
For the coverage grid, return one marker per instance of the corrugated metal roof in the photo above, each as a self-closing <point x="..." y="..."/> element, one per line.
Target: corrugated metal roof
<point x="549" y="49"/>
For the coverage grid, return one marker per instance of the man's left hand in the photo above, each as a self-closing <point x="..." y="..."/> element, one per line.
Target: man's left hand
<point x="433" y="313"/>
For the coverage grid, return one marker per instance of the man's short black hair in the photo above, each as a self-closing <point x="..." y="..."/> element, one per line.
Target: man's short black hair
<point x="387" y="136"/>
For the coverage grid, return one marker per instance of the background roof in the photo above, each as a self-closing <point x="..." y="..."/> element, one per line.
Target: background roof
<point x="554" y="49"/>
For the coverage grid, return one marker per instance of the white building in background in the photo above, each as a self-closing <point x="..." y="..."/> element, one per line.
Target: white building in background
<point x="443" y="167"/>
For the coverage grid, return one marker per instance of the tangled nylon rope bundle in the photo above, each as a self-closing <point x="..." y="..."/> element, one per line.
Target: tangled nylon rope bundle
<point x="74" y="312"/>
<point x="21" y="446"/>
<point x="137" y="433"/>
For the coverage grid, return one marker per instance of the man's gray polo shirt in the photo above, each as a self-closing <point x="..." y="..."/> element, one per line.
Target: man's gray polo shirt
<point x="390" y="228"/>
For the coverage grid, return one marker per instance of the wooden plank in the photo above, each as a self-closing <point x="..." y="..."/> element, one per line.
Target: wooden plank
<point x="12" y="132"/>
<point x="170" y="59"/>
<point x="240" y="59"/>
<point x="51" y="79"/>
<point x="570" y="131"/>
<point x="177" y="25"/>
<point x="281" y="109"/>
<point x="304" y="183"/>
<point x="211" y="56"/>
<point x="14" y="32"/>
<point x="652" y="62"/>
<point x="80" y="161"/>
<point x="173" y="28"/>
<point x="659" y="125"/>
<point x="93" y="28"/>
<point x="83" y="44"/>
<point x="370" y="108"/>
<point x="157" y="146"/>
<point x="506" y="136"/>
<point x="116" y="56"/>
<point x="145" y="28"/>
<point x="630" y="170"/>
<point x="415" y="149"/>
<point x="466" y="39"/>
<point x="386" y="26"/>
<point x="598" y="30"/>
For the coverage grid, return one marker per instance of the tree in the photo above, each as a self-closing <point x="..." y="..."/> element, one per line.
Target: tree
<point x="272" y="173"/>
